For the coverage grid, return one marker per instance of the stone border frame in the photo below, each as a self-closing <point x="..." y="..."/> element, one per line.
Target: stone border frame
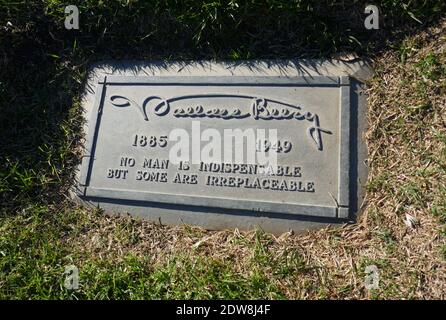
<point x="341" y="210"/>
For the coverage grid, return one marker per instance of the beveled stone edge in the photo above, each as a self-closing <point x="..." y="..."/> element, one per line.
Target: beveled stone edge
<point x="362" y="72"/>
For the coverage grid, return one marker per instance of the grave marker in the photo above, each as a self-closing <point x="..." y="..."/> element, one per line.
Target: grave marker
<point x="264" y="145"/>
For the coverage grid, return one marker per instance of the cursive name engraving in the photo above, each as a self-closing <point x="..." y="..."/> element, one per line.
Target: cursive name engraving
<point x="200" y="112"/>
<point x="259" y="110"/>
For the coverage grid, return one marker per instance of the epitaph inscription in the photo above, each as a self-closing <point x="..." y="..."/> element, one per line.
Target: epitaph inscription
<point x="152" y="142"/>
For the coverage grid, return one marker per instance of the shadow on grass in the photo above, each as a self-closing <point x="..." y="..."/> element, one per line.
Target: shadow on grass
<point x="43" y="66"/>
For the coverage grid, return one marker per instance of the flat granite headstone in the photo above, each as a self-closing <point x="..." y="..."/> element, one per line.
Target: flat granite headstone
<point x="270" y="144"/>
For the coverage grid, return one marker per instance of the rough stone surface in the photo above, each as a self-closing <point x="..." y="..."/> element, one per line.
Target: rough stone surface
<point x="316" y="107"/>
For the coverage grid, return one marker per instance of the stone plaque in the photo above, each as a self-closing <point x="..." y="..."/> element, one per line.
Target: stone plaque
<point x="221" y="150"/>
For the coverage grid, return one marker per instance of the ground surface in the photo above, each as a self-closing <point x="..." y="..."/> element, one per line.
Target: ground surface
<point x="42" y="73"/>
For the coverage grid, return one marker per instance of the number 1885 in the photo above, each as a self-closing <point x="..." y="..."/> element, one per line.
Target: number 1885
<point x="149" y="141"/>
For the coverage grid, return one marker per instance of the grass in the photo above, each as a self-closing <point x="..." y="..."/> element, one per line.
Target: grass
<point x="42" y="74"/>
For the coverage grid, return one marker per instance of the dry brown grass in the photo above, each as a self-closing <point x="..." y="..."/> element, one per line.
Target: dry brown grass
<point x="407" y="158"/>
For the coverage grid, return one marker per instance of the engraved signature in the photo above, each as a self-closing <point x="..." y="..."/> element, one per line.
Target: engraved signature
<point x="260" y="110"/>
<point x="199" y="111"/>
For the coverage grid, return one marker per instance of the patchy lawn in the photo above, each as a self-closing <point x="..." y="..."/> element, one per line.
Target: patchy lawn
<point x="42" y="73"/>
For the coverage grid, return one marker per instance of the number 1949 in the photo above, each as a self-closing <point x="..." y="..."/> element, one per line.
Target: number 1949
<point x="274" y="146"/>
